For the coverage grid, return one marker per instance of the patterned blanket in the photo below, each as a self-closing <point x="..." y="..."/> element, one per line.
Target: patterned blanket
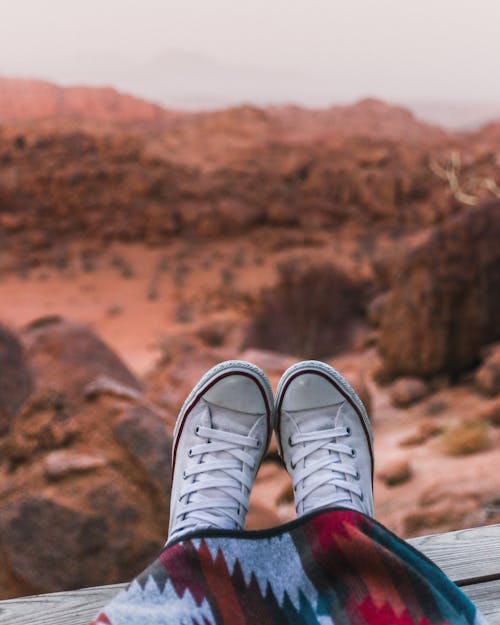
<point x="335" y="566"/>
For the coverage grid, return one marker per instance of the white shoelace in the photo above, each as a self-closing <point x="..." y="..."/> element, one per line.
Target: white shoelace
<point x="323" y="439"/>
<point x="228" y="510"/>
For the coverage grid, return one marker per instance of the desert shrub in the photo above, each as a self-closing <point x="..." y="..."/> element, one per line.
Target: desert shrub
<point x="88" y="259"/>
<point x="180" y="273"/>
<point x="121" y="264"/>
<point x="163" y="264"/>
<point x="466" y="437"/>
<point x="214" y="332"/>
<point x="310" y="312"/>
<point x="183" y="314"/>
<point x="226" y="276"/>
<point x="239" y="258"/>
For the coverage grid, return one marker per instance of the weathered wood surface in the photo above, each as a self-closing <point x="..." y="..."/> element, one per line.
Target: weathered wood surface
<point x="486" y="596"/>
<point x="471" y="558"/>
<point x="467" y="556"/>
<point x="76" y="607"/>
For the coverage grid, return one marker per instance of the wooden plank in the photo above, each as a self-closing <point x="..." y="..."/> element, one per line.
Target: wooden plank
<point x="466" y="556"/>
<point x="79" y="607"/>
<point x="486" y="597"/>
<point x="75" y="607"/>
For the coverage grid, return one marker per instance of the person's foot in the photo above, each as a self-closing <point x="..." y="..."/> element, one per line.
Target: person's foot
<point x="220" y="438"/>
<point x="325" y="439"/>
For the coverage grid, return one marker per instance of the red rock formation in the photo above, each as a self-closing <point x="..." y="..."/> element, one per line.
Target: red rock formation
<point x="369" y="118"/>
<point x="487" y="377"/>
<point x="15" y="377"/>
<point x="85" y="471"/>
<point x="443" y="305"/>
<point x="228" y="195"/>
<point x="67" y="357"/>
<point x="22" y="99"/>
<point x="60" y="185"/>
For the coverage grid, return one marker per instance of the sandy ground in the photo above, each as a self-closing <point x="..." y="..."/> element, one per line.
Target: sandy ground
<point x="134" y="297"/>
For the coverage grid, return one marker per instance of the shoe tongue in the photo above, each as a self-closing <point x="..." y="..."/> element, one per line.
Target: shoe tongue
<point x="221" y="418"/>
<point x="317" y="420"/>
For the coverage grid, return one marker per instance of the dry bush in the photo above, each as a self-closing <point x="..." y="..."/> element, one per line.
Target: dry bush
<point x="181" y="271"/>
<point x="466" y="437"/>
<point x="215" y="332"/>
<point x="211" y="336"/>
<point x="465" y="187"/>
<point x="183" y="313"/>
<point x="121" y="264"/>
<point x="310" y="312"/>
<point x="88" y="259"/>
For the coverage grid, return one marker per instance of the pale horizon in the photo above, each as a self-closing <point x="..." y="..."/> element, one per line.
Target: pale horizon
<point x="199" y="54"/>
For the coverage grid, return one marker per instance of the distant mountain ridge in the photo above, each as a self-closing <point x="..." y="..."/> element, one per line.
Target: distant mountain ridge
<point x="25" y="100"/>
<point x="32" y="100"/>
<point x="95" y="164"/>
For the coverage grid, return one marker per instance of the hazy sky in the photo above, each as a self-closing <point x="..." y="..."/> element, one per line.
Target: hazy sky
<point x="400" y="50"/>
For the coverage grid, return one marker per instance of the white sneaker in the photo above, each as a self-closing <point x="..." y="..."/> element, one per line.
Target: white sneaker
<point x="325" y="439"/>
<point x="220" y="438"/>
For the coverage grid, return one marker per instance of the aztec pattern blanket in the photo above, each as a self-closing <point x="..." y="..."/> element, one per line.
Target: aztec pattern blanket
<point x="336" y="566"/>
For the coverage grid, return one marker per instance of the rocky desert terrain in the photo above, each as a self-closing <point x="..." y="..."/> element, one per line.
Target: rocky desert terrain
<point x="139" y="246"/>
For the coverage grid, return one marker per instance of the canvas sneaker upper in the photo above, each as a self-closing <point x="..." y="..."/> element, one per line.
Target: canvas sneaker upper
<point x="220" y="438"/>
<point x="325" y="439"/>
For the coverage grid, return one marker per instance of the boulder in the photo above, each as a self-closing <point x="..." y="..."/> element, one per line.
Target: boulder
<point x="426" y="429"/>
<point x="443" y="305"/>
<point x="375" y="309"/>
<point x="273" y="363"/>
<point x="267" y="498"/>
<point x="358" y="382"/>
<point x="459" y="513"/>
<point x="395" y="472"/>
<point x="63" y="542"/>
<point x="408" y="391"/>
<point x="15" y="377"/>
<point x="491" y="414"/>
<point x="85" y="477"/>
<point x="144" y="436"/>
<point x="487" y="376"/>
<point x="355" y="371"/>
<point x="66" y="357"/>
<point x="61" y="463"/>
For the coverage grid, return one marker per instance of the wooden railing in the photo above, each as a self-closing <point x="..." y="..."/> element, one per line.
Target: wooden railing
<point x="471" y="558"/>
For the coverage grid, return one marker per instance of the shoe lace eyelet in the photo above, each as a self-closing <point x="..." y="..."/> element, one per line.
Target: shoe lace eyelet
<point x="184" y="475"/>
<point x="292" y="465"/>
<point x="353" y="453"/>
<point x="357" y="477"/>
<point x="258" y="443"/>
<point x="197" y="430"/>
<point x="290" y="442"/>
<point x="190" y="453"/>
<point x="362" y="497"/>
<point x="348" y="431"/>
